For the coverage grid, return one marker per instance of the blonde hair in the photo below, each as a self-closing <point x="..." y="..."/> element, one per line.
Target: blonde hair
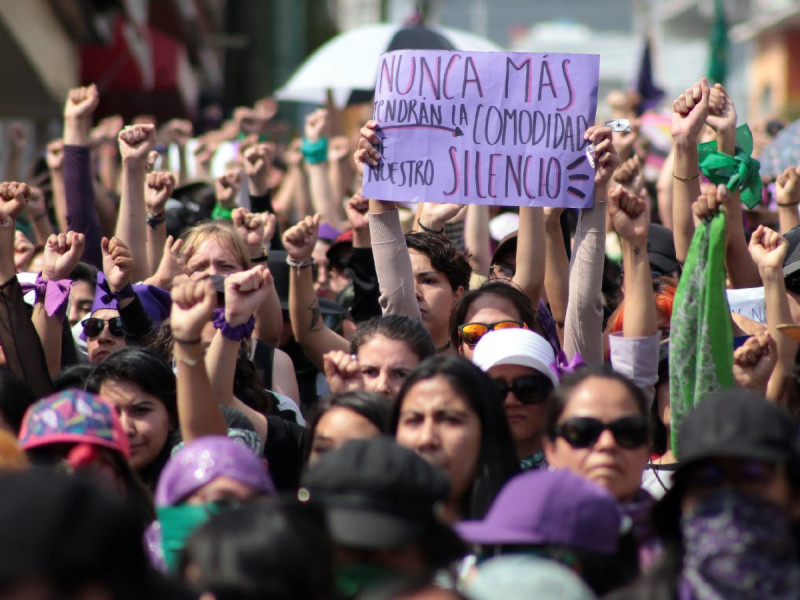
<point x="223" y="232"/>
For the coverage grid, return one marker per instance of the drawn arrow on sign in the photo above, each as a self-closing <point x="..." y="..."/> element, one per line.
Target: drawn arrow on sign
<point x="456" y="132"/>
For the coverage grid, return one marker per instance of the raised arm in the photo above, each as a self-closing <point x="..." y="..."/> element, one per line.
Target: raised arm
<point x="61" y="254"/>
<point x="689" y="112"/>
<point x="24" y="356"/>
<point x="583" y="325"/>
<point x="556" y="269"/>
<point x="315" y="150"/>
<point x="55" y="164"/>
<point x="768" y="249"/>
<point x="159" y="188"/>
<point x="198" y="409"/>
<point x="531" y="245"/>
<point x="392" y="261"/>
<point x="244" y="293"/>
<point x="787" y="188"/>
<point x="308" y="328"/>
<point x="742" y="272"/>
<point x="81" y="213"/>
<point x="476" y="237"/>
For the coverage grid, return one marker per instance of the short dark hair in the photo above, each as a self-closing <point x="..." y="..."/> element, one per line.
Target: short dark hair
<point x="503" y="289"/>
<point x="444" y="257"/>
<point x="84" y="272"/>
<point x="395" y="327"/>
<point x="561" y="394"/>
<point x="497" y="461"/>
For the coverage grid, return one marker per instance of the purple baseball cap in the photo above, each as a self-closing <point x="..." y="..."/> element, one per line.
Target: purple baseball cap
<point x="202" y="461"/>
<point x="549" y="507"/>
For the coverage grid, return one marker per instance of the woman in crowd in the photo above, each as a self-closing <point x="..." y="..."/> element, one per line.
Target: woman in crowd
<point x="449" y="413"/>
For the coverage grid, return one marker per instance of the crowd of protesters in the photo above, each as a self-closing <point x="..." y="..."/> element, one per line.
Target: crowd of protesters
<point x="227" y="374"/>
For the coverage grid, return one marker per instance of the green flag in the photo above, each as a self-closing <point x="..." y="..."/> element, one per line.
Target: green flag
<point x="718" y="46"/>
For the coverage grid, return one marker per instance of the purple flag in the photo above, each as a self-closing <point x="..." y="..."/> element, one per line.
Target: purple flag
<point x="485" y="128"/>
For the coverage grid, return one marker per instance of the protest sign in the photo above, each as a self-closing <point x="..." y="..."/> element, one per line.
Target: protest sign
<point x="748" y="302"/>
<point x="484" y="128"/>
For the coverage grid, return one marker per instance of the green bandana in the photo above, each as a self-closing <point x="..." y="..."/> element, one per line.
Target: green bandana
<point x="701" y="339"/>
<point x="354" y="578"/>
<point x="738" y="172"/>
<point x="177" y="524"/>
<point x="218" y="213"/>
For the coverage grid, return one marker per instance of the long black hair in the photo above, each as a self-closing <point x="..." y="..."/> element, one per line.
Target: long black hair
<point x="153" y="374"/>
<point x="497" y="460"/>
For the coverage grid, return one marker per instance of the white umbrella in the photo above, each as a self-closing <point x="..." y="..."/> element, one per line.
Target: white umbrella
<point x="349" y="61"/>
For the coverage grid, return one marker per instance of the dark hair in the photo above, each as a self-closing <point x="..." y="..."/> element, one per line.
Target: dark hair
<point x="495" y="287"/>
<point x="278" y="550"/>
<point x="153" y="374"/>
<point x="73" y="376"/>
<point x="375" y="408"/>
<point x="444" y="257"/>
<point x="84" y="272"/>
<point x="395" y="327"/>
<point x="15" y="398"/>
<point x="561" y="394"/>
<point x="497" y="461"/>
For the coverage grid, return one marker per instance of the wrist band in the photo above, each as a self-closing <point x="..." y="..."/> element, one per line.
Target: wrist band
<point x="299" y="264"/>
<point x="155" y="220"/>
<point x="235" y="333"/>
<point x="108" y="296"/>
<point x="53" y="294"/>
<point x="315" y="152"/>
<point x="788" y="203"/>
<point x="428" y="229"/>
<point x="188" y="342"/>
<point x="260" y="259"/>
<point x="679" y="178"/>
<point x="189" y="362"/>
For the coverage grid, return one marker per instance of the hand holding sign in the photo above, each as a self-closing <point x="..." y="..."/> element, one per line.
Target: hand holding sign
<point x="483" y="128"/>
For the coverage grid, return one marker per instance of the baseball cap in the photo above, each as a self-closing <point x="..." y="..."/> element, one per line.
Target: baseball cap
<point x="73" y="416"/>
<point x="661" y="249"/>
<point x="516" y="347"/>
<point x="524" y="577"/>
<point x="377" y="494"/>
<point x="738" y="424"/>
<point x="549" y="507"/>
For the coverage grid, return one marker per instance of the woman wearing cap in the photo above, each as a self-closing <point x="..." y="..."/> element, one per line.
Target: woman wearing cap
<point x="522" y="365"/>
<point x="203" y="478"/>
<point x="81" y="432"/>
<point x="729" y="522"/>
<point x="449" y="413"/>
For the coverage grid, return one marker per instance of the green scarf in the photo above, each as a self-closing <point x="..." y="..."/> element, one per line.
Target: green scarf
<point x="701" y="339"/>
<point x="177" y="524"/>
<point x="354" y="578"/>
<point x="219" y="213"/>
<point x="738" y="172"/>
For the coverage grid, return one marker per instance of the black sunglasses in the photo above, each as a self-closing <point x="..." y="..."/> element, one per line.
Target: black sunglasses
<point x="93" y="327"/>
<point x="583" y="432"/>
<point x="529" y="389"/>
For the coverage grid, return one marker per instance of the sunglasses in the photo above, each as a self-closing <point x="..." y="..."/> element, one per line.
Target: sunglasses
<point x="93" y="327"/>
<point x="583" y="432"/>
<point x="529" y="389"/>
<point x="470" y="333"/>
<point x="743" y="472"/>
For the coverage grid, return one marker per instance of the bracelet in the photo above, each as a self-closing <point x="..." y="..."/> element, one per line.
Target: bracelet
<point x="108" y="295"/>
<point x="260" y="259"/>
<point x="155" y="220"/>
<point x="234" y="333"/>
<point x="299" y="264"/>
<point x="188" y="342"/>
<point x="315" y="152"/>
<point x="428" y="229"/>
<point x="189" y="362"/>
<point x="679" y="178"/>
<point x="788" y="203"/>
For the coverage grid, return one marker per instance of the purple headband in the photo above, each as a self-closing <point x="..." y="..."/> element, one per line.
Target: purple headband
<point x="202" y="461"/>
<point x="564" y="367"/>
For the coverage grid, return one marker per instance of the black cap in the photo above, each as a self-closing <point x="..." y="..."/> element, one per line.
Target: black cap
<point x="791" y="263"/>
<point x="376" y="494"/>
<point x="661" y="250"/>
<point x="507" y="244"/>
<point x="738" y="424"/>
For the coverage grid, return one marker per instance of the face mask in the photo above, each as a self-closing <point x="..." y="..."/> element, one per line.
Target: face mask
<point x="738" y="546"/>
<point x="177" y="524"/>
<point x="354" y="578"/>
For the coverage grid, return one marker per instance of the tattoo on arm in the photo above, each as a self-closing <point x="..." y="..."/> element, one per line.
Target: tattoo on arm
<point x="316" y="316"/>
